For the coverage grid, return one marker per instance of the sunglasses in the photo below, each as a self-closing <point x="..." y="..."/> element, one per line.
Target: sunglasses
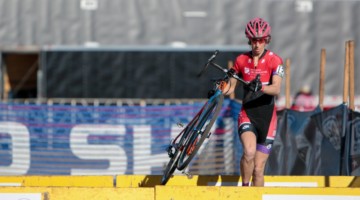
<point x="258" y="40"/>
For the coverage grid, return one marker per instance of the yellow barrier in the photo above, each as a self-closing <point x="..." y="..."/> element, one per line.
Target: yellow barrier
<point x="179" y="187"/>
<point x="124" y="181"/>
<point x="82" y="193"/>
<point x="255" y="193"/>
<point x="66" y="181"/>
<point x="227" y="180"/>
<point x="186" y="192"/>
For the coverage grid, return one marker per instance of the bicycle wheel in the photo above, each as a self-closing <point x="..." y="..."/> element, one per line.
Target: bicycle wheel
<point x="172" y="164"/>
<point x="170" y="168"/>
<point x="198" y="134"/>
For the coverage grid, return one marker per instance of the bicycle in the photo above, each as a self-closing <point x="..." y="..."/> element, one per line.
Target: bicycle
<point x="185" y="146"/>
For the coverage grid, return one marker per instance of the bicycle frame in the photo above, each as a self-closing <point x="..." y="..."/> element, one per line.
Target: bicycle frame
<point x="189" y="140"/>
<point x="198" y="114"/>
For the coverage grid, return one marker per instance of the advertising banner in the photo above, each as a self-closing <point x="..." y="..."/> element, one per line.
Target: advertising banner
<point x="105" y="140"/>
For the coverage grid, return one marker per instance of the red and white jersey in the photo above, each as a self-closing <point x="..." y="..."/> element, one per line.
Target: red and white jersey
<point x="259" y="113"/>
<point x="269" y="64"/>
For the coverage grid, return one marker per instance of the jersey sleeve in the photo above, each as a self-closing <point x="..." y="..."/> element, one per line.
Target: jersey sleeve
<point x="277" y="66"/>
<point x="237" y="65"/>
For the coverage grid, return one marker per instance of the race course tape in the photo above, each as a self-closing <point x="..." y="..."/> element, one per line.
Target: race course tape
<point x="228" y="180"/>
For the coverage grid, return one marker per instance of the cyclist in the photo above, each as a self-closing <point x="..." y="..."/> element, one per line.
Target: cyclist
<point x="257" y="119"/>
<point x="304" y="100"/>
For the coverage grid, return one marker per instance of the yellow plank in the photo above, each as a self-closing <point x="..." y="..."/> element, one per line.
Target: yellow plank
<point x="65" y="181"/>
<point x="355" y="182"/>
<point x="102" y="193"/>
<point x="85" y="193"/>
<point x="187" y="192"/>
<point x="124" y="181"/>
<point x="150" y="181"/>
<point x="227" y="180"/>
<point x="258" y="192"/>
<point x="342" y="181"/>
<point x="253" y="193"/>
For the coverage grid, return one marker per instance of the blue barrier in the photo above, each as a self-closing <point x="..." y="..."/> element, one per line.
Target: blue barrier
<point x="73" y="140"/>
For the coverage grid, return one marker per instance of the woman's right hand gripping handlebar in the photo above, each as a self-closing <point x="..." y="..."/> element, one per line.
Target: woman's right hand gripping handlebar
<point x="231" y="84"/>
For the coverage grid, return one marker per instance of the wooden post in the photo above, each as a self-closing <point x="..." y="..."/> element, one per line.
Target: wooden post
<point x="322" y="78"/>
<point x="346" y="74"/>
<point x="7" y="86"/>
<point x="351" y="75"/>
<point x="287" y="84"/>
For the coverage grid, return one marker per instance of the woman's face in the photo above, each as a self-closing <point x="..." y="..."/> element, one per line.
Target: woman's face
<point x="257" y="46"/>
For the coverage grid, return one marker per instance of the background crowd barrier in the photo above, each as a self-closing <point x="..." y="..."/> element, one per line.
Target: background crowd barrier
<point x="42" y="139"/>
<point x="97" y="139"/>
<point x="316" y="143"/>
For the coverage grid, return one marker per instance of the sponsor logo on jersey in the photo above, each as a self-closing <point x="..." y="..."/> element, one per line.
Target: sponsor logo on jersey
<point x="246" y="70"/>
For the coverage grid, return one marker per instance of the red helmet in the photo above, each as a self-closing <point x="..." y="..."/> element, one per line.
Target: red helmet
<point x="257" y="28"/>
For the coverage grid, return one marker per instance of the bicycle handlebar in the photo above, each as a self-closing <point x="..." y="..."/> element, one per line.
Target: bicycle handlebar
<point x="213" y="56"/>
<point x="226" y="71"/>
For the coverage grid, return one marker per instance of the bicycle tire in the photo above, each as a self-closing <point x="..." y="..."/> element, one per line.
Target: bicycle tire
<point x="172" y="164"/>
<point x="210" y="114"/>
